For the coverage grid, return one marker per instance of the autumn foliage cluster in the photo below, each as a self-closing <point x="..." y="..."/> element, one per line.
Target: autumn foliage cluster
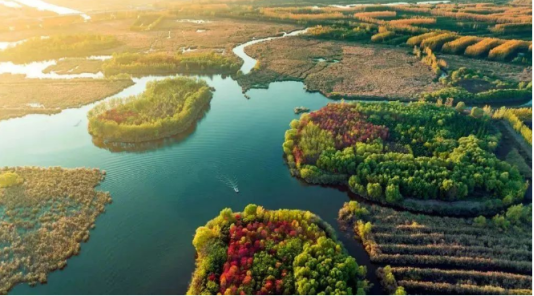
<point x="272" y="252"/>
<point x="346" y="126"/>
<point x="418" y="151"/>
<point x="472" y="46"/>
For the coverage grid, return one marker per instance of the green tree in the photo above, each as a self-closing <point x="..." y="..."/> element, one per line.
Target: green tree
<point x="480" y="221"/>
<point x="8" y="179"/>
<point x="374" y="190"/>
<point x="477" y="112"/>
<point x="460" y="107"/>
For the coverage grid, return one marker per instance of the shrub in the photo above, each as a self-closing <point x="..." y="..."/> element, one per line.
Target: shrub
<point x="413" y="21"/>
<point x="416" y="40"/>
<point x="507" y="50"/>
<point x="375" y="14"/>
<point x="480" y="221"/>
<point x="459" y="45"/>
<point x="482" y="48"/>
<point x="436" y="42"/>
<point x="381" y="37"/>
<point x="8" y="179"/>
<point x="477" y="112"/>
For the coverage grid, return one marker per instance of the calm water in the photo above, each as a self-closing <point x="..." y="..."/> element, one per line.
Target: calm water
<point x="42" y="5"/>
<point x="142" y="244"/>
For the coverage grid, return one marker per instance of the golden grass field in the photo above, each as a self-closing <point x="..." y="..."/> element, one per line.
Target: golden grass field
<point x="48" y="96"/>
<point x="218" y="34"/>
<point x="362" y="70"/>
<point x="75" y="66"/>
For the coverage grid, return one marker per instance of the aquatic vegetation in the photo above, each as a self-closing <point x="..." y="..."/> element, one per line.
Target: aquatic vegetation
<point x="382" y="72"/>
<point x="405" y="155"/>
<point x="163" y="63"/>
<point x="279" y="252"/>
<point x="60" y="46"/>
<point x="75" y="66"/>
<point x="444" y="255"/>
<point x="20" y="96"/>
<point x="166" y="108"/>
<point x="46" y="214"/>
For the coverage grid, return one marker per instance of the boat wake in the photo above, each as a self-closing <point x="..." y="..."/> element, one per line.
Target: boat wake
<point x="229" y="181"/>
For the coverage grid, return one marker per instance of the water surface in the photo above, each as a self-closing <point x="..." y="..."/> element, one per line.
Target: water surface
<point x="142" y="244"/>
<point x="249" y="62"/>
<point x="42" y="5"/>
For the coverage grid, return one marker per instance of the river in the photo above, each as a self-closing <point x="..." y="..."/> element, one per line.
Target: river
<point x="142" y="244"/>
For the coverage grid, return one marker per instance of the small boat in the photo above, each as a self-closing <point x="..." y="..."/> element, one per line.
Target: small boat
<point x="301" y="109"/>
<point x="236" y="190"/>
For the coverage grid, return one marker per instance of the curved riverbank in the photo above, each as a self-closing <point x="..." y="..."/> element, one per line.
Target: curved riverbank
<point x="142" y="245"/>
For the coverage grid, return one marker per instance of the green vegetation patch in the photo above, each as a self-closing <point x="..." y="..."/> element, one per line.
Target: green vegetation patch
<point x="8" y="179"/>
<point x="55" y="47"/>
<point x="45" y="214"/>
<point x="163" y="63"/>
<point x="443" y="255"/>
<point x="166" y="108"/>
<point x="418" y="156"/>
<point x="272" y="252"/>
<point x="516" y="118"/>
<point x="473" y="87"/>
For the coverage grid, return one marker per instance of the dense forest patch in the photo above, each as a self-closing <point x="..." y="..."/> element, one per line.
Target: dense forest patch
<point x="166" y="108"/>
<point x="260" y="251"/>
<point x="45" y="214"/>
<point x="418" y="156"/>
<point x="442" y="255"/>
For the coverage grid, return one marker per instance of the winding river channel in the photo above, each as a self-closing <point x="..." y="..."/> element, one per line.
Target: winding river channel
<point x="142" y="244"/>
